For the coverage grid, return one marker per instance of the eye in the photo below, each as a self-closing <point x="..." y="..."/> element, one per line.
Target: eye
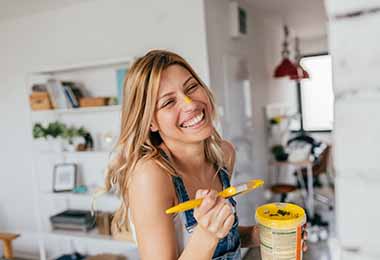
<point x="192" y="88"/>
<point x="167" y="103"/>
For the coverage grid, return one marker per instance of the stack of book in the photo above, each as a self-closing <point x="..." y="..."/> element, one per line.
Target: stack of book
<point x="80" y="220"/>
<point x="64" y="94"/>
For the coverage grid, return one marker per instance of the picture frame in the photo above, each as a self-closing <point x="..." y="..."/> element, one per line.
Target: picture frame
<point x="64" y="177"/>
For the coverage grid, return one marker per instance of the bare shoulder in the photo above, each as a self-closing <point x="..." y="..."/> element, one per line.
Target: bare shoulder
<point x="150" y="179"/>
<point x="229" y="155"/>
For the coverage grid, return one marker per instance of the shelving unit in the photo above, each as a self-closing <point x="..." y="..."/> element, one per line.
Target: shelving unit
<point x="100" y="79"/>
<point x="80" y="110"/>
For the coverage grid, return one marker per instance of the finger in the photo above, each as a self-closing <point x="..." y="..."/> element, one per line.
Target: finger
<point x="222" y="214"/>
<point x="208" y="203"/>
<point x="200" y="193"/>
<point x="304" y="234"/>
<point x="227" y="225"/>
<point x="304" y="246"/>
<point x="219" y="216"/>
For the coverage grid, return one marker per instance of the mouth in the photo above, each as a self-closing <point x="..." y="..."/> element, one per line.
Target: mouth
<point x="194" y="122"/>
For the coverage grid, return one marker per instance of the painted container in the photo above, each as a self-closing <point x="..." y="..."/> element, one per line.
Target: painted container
<point x="280" y="231"/>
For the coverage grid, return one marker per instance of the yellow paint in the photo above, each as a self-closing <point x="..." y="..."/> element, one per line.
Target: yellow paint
<point x="187" y="100"/>
<point x="268" y="215"/>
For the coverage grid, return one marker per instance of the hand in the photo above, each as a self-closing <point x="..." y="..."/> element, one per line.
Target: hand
<point x="214" y="215"/>
<point x="304" y="238"/>
<point x="250" y="236"/>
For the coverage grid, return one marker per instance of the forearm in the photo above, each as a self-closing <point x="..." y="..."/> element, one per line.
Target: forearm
<point x="249" y="236"/>
<point x="200" y="246"/>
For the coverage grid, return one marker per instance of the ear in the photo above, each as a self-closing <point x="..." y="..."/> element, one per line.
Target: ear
<point x="153" y="127"/>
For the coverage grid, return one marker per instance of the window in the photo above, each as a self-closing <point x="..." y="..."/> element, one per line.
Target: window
<point x="317" y="97"/>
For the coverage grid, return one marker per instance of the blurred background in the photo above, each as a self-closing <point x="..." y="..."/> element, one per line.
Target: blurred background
<point x="297" y="94"/>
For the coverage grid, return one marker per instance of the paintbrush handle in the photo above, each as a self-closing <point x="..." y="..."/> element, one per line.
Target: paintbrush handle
<point x="184" y="206"/>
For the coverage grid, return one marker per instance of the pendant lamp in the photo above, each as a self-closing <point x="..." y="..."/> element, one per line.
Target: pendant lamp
<point x="286" y="67"/>
<point x="301" y="72"/>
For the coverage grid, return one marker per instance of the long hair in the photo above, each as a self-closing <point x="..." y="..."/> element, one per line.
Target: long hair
<point x="136" y="142"/>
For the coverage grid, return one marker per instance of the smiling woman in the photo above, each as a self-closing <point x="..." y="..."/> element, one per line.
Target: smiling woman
<point x="169" y="152"/>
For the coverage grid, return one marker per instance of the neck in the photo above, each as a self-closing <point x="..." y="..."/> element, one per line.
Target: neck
<point x="188" y="158"/>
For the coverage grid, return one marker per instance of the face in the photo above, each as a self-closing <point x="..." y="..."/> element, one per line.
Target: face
<point x="183" y="110"/>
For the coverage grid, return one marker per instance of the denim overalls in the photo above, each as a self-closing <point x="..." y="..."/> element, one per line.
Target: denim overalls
<point x="228" y="248"/>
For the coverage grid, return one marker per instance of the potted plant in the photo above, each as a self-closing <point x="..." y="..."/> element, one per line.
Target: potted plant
<point x="51" y="134"/>
<point x="75" y="138"/>
<point x="59" y="137"/>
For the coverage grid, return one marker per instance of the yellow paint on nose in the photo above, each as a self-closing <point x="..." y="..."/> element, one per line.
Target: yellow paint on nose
<point x="187" y="100"/>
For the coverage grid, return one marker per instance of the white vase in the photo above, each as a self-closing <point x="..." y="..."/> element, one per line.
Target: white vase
<point x="55" y="144"/>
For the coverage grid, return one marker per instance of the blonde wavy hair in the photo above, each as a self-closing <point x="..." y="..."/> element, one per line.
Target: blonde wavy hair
<point x="136" y="142"/>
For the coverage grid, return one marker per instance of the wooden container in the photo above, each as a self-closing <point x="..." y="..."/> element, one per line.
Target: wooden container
<point x="40" y="101"/>
<point x="92" y="101"/>
<point x="103" y="223"/>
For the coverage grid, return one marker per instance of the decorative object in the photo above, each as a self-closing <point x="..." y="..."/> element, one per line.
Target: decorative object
<point x="103" y="222"/>
<point x="93" y="101"/>
<point x="120" y="76"/>
<point x="64" y="177"/>
<point x="238" y="20"/>
<point x="106" y="140"/>
<point x="279" y="153"/>
<point x="286" y="67"/>
<point x="301" y="72"/>
<point x="40" y="101"/>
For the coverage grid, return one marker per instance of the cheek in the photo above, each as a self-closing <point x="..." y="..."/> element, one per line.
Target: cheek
<point x="166" y="120"/>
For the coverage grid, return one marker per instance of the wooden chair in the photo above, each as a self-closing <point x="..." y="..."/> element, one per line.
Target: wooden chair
<point x="7" y="239"/>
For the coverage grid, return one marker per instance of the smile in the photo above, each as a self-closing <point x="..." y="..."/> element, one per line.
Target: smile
<point x="195" y="121"/>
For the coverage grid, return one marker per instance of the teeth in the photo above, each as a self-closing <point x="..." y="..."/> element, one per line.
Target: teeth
<point x="194" y="121"/>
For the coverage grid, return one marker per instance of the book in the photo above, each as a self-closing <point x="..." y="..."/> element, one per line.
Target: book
<point x="74" y="227"/>
<point x="71" y="97"/>
<point x="57" y="94"/>
<point x="78" y="217"/>
<point x="75" y="90"/>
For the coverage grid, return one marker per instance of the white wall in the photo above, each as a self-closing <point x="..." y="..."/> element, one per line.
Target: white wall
<point x="87" y="31"/>
<point x="314" y="45"/>
<point x="356" y="63"/>
<point x="261" y="49"/>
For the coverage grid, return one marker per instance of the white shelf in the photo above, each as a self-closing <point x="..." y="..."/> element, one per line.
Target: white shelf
<point x="92" y="234"/>
<point x="86" y="195"/>
<point x="48" y="70"/>
<point x="76" y="153"/>
<point x="80" y="110"/>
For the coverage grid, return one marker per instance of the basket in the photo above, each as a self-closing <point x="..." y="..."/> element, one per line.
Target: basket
<point x="40" y="101"/>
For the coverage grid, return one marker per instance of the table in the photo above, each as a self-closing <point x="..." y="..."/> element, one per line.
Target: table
<point x="309" y="200"/>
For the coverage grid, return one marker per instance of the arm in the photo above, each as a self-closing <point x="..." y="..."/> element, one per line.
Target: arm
<point x="151" y="192"/>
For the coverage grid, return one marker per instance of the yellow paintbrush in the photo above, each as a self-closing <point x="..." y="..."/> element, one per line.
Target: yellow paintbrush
<point x="227" y="193"/>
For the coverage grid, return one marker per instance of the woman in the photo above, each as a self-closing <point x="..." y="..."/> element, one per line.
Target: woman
<point x="170" y="152"/>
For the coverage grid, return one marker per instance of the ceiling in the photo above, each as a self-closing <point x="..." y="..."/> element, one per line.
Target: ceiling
<point x="17" y="8"/>
<point x="306" y="18"/>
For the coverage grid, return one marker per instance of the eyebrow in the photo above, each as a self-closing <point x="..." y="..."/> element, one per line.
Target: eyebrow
<point x="183" y="84"/>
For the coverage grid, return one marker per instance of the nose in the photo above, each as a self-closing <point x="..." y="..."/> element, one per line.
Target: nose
<point x="188" y="105"/>
<point x="187" y="100"/>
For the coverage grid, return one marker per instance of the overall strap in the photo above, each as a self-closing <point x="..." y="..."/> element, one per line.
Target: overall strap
<point x="182" y="195"/>
<point x="225" y="180"/>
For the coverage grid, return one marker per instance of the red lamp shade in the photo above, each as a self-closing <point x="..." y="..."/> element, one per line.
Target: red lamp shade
<point x="286" y="68"/>
<point x="302" y="74"/>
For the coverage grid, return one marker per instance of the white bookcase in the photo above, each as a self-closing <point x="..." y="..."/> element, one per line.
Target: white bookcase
<point x="99" y="78"/>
